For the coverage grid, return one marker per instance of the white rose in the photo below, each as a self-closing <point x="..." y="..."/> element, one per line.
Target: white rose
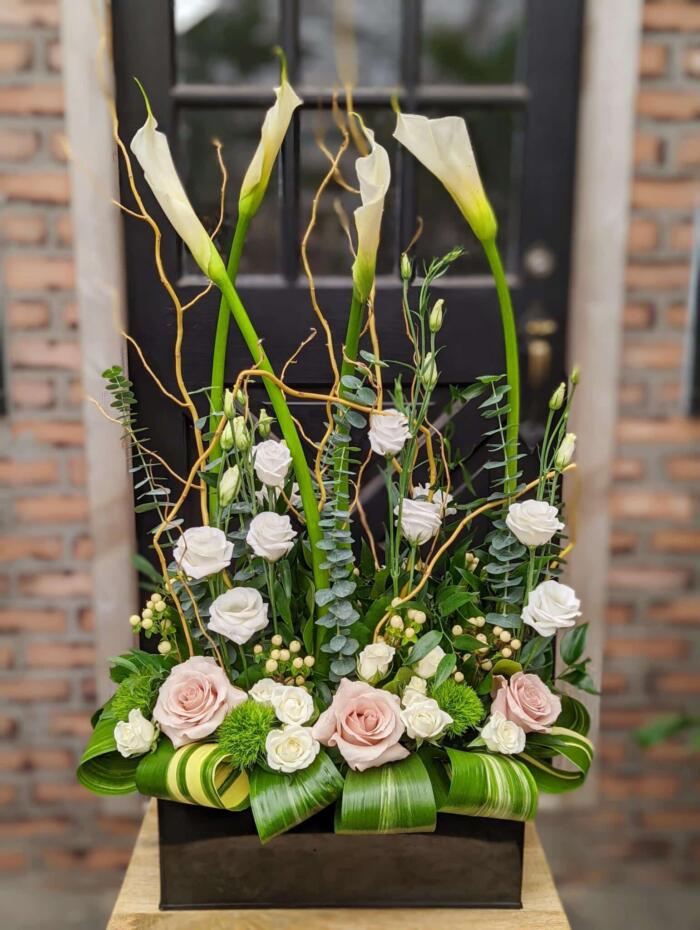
<point x="388" y="432"/>
<point x="424" y="719"/>
<point x="263" y="496"/>
<point x="501" y="735"/>
<point x="292" y="705"/>
<point x="135" y="736"/>
<point x="441" y="499"/>
<point x="428" y="665"/>
<point x="533" y="522"/>
<point x="551" y="607"/>
<point x="416" y="690"/>
<point x="263" y="690"/>
<point x="202" y="551"/>
<point x="375" y="661"/>
<point x="420" y="520"/>
<point x="271" y="461"/>
<point x="238" y="614"/>
<point x="291" y="748"/>
<point x="270" y="535"/>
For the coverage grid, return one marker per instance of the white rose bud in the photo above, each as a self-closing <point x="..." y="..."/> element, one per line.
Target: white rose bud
<point x="550" y="607"/>
<point x="424" y="719"/>
<point x="416" y="690"/>
<point x="241" y="435"/>
<point x="374" y="661"/>
<point x="271" y="535"/>
<point x="420" y="520"/>
<point x="238" y="614"/>
<point x="565" y="452"/>
<point x="292" y="705"/>
<point x="428" y="371"/>
<point x="557" y="398"/>
<point x="504" y="736"/>
<point x="291" y="748"/>
<point x="202" y="551"/>
<point x="436" y="316"/>
<point x="441" y="499"/>
<point x="271" y="461"/>
<point x="388" y="432"/>
<point x="533" y="522"/>
<point x="262" y="690"/>
<point x="428" y="665"/>
<point x="229" y="404"/>
<point x="230" y="485"/>
<point x="265" y="422"/>
<point x="135" y="736"/>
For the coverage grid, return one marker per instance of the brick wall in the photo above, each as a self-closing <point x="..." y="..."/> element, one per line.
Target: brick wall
<point x="46" y="641"/>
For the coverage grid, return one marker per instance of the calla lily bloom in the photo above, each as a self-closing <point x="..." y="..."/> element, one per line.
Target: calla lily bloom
<point x="274" y="129"/>
<point x="153" y="154"/>
<point x="444" y="148"/>
<point x="374" y="175"/>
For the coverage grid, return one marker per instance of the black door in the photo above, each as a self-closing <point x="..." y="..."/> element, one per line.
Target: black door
<point x="510" y="67"/>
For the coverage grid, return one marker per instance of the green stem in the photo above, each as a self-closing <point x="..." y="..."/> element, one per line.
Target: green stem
<point x="269" y="571"/>
<point x="221" y="342"/>
<point x="286" y="423"/>
<point x="352" y="342"/>
<point x="510" y="341"/>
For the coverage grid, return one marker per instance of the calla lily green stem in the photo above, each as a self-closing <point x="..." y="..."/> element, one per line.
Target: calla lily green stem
<point x="512" y="361"/>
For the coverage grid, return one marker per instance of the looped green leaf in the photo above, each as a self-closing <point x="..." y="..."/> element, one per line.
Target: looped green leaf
<point x="393" y="798"/>
<point x="102" y="769"/>
<point x="559" y="741"/>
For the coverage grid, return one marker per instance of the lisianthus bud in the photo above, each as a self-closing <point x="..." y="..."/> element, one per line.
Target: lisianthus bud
<point x="406" y="267"/>
<point x="226" y="440"/>
<point x="429" y="372"/>
<point x="557" y="398"/>
<point x="565" y="452"/>
<point x="265" y="422"/>
<point x="575" y="375"/>
<point x="436" y="315"/>
<point x="230" y="485"/>
<point x="229" y="405"/>
<point x="241" y="435"/>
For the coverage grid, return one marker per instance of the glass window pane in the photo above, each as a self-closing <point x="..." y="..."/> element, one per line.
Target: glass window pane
<point x="239" y="132"/>
<point x="495" y="137"/>
<point x="356" y="41"/>
<point x="472" y="42"/>
<point x="226" y="41"/>
<point x="329" y="251"/>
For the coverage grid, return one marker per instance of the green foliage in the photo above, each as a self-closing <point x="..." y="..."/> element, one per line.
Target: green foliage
<point x="243" y="732"/>
<point x="462" y="704"/>
<point x="138" y="691"/>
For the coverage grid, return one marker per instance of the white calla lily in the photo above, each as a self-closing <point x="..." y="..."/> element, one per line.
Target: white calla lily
<point x="153" y="154"/>
<point x="443" y="146"/>
<point x="374" y="175"/>
<point x="274" y="129"/>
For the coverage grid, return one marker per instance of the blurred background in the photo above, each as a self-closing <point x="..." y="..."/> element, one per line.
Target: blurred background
<point x="584" y="117"/>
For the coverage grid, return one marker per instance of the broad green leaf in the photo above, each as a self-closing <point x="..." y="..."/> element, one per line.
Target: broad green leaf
<point x="506" y="667"/>
<point x="573" y="716"/>
<point x="102" y="769"/>
<point x="393" y="798"/>
<point x="573" y="643"/>
<point x="452" y="599"/>
<point x="424" y="645"/>
<point x="446" y="666"/>
<point x="467" y="643"/>
<point x="482" y="784"/>
<point x="532" y="649"/>
<point x="200" y="773"/>
<point x="279" y="802"/>
<point x="574" y="747"/>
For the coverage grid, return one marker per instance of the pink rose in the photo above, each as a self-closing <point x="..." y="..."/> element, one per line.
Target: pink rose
<point x="526" y="700"/>
<point x="364" y="723"/>
<point x="194" y="699"/>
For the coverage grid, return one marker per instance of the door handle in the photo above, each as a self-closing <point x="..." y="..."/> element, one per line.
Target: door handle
<point x="539" y="350"/>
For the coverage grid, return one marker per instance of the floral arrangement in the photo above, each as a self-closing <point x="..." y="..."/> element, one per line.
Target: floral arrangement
<point x="300" y="662"/>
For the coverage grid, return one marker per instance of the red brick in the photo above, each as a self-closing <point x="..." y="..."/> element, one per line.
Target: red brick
<point x="13" y="861"/>
<point x="58" y="146"/>
<point x="679" y="683"/>
<point x="682" y="237"/>
<point x="623" y="542"/>
<point x="658" y="356"/>
<point x="676" y="540"/>
<point x="52" y="508"/>
<point x="638" y="316"/>
<point x="642" y="236"/>
<point x="626" y="469"/>
<point x="119" y="826"/>
<point x="77" y="470"/>
<point x="618" y="614"/>
<point x="656" y="193"/>
<point x="86" y="620"/>
<point x="30" y="547"/>
<point x="23" y="228"/>
<point x="54" y="56"/>
<point x="31" y="352"/>
<point x="647" y="578"/>
<point x="34" y="689"/>
<point x="653" y="59"/>
<point x="677" y="316"/>
<point x="671" y="17"/>
<point x="83" y="549"/>
<point x="7" y="795"/>
<point x="684" y="469"/>
<point x="684" y="611"/>
<point x="640" y="786"/>
<point x="16" y="145"/>
<point x="688" y="151"/>
<point x="91" y="860"/>
<point x="32" y="393"/>
<point x="51" y="432"/>
<point x="30" y="829"/>
<point x="614" y="683"/>
<point x="686" y="819"/>
<point x="656" y="648"/>
<point x="651" y="504"/>
<point x="38" y="272"/>
<point x="70" y="314"/>
<point x="52" y="791"/>
<point x="36" y="186"/>
<point x="647" y="149"/>
<point x="691" y="61"/>
<point x="28" y="315"/>
<point x="29" y="13"/>
<point x="631" y="395"/>
<point x="71" y="724"/>
<point x="56" y="584"/>
<point x="26" y="760"/>
<point x="64" y="229"/>
<point x="25" y="99"/>
<point x="25" y="474"/>
<point x="15" y="56"/>
<point x="657" y="431"/>
<point x="7" y="657"/>
<point x="674" y="104"/>
<point x="624" y="718"/>
<point x="32" y="621"/>
<point x="658" y="277"/>
<point x="60" y="655"/>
